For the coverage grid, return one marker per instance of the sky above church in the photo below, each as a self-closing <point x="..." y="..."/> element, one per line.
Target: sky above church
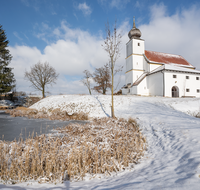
<point x="69" y="33"/>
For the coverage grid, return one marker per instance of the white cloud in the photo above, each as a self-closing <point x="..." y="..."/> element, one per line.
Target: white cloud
<point x="176" y="34"/>
<point x="75" y="51"/>
<point x="26" y="2"/>
<point x="17" y="35"/>
<point x="137" y="4"/>
<point x="85" y="8"/>
<point x="119" y="4"/>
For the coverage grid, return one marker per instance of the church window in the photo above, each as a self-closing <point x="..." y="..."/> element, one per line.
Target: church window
<point x="197" y="78"/>
<point x="138" y="44"/>
<point x="187" y="77"/>
<point x="174" y="76"/>
<point x="198" y="90"/>
<point x="187" y="90"/>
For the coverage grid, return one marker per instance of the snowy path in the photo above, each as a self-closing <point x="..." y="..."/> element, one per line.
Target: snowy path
<point x="173" y="157"/>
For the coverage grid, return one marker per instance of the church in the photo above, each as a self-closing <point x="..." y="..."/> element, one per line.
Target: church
<point x="150" y="73"/>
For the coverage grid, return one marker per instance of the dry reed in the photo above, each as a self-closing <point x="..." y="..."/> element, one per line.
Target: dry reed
<point x="97" y="148"/>
<point x="55" y="114"/>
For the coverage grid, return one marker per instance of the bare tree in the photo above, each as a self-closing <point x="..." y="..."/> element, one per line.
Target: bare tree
<point x="41" y="75"/>
<point x="102" y="77"/>
<point x="87" y="80"/>
<point x="111" y="45"/>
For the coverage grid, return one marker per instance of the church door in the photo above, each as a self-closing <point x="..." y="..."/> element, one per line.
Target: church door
<point x="175" y="91"/>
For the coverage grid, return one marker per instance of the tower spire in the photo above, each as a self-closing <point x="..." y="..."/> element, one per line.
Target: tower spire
<point x="134" y="22"/>
<point x="134" y="32"/>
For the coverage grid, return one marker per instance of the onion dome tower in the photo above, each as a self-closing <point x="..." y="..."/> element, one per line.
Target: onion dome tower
<point x="134" y="56"/>
<point x="134" y="32"/>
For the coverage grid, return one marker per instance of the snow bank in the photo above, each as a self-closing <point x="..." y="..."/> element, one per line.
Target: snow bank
<point x="100" y="106"/>
<point x="173" y="157"/>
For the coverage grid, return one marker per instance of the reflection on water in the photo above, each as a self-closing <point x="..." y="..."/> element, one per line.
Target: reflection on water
<point x="15" y="127"/>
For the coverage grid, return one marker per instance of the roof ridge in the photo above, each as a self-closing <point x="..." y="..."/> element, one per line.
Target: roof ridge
<point x="164" y="52"/>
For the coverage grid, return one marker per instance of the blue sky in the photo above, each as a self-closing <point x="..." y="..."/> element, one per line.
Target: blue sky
<point x="68" y="34"/>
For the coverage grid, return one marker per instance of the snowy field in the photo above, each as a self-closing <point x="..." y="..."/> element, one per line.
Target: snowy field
<point x="172" y="160"/>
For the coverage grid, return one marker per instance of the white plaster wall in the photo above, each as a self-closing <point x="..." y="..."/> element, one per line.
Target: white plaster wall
<point x="134" y="62"/>
<point x="132" y="76"/>
<point x="138" y="62"/>
<point x="133" y="90"/>
<point x="138" y="49"/>
<point x="142" y="88"/>
<point x="129" y="77"/>
<point x="129" y="48"/>
<point x="136" y="74"/>
<point x="145" y="65"/>
<point x="129" y="63"/>
<point x="155" y="84"/>
<point x="124" y="91"/>
<point x="182" y="83"/>
<point x="153" y="66"/>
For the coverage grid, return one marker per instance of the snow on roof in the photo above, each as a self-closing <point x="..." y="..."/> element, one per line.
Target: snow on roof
<point x="166" y="58"/>
<point x="174" y="68"/>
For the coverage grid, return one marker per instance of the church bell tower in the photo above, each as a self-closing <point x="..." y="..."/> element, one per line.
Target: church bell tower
<point x="134" y="55"/>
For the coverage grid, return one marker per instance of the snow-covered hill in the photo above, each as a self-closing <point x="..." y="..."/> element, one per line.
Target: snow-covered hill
<point x="173" y="157"/>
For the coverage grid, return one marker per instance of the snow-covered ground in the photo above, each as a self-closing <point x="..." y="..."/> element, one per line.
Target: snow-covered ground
<point x="172" y="160"/>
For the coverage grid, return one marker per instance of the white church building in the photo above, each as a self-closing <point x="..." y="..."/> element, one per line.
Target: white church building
<point x="150" y="73"/>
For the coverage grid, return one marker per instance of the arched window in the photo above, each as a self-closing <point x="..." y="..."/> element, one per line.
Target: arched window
<point x="175" y="91"/>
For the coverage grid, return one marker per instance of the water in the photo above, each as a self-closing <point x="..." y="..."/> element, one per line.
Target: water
<point x="15" y="127"/>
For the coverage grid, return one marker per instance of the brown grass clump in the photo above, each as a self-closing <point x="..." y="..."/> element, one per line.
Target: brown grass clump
<point x="102" y="147"/>
<point x="55" y="114"/>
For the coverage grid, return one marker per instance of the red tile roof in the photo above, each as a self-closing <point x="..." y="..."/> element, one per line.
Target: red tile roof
<point x="166" y="58"/>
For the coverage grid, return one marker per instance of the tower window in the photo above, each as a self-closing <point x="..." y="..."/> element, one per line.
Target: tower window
<point x="187" y="90"/>
<point x="138" y="44"/>
<point x="197" y="78"/>
<point x="187" y="77"/>
<point x="198" y="90"/>
<point x="174" y="76"/>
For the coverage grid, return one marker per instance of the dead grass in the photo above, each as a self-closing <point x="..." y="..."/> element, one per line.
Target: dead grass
<point x="102" y="147"/>
<point x="55" y="114"/>
<point x="22" y="108"/>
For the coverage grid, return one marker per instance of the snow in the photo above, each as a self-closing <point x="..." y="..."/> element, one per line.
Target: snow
<point x="166" y="55"/>
<point x="172" y="160"/>
<point x="173" y="67"/>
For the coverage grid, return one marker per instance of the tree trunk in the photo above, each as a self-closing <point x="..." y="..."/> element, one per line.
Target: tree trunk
<point x="90" y="91"/>
<point x="112" y="108"/>
<point x="43" y="92"/>
<point x="104" y="91"/>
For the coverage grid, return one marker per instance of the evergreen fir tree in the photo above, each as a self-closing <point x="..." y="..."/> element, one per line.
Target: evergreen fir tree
<point x="7" y="81"/>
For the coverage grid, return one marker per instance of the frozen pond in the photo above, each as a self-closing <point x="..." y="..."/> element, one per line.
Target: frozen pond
<point x="15" y="127"/>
